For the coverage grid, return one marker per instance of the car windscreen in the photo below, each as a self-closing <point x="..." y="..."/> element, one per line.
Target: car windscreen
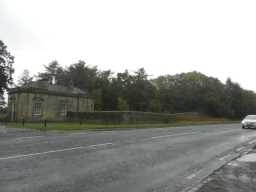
<point x="251" y="117"/>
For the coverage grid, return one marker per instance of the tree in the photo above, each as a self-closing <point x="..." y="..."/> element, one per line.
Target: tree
<point x="53" y="69"/>
<point x="82" y="75"/>
<point x="103" y="84"/>
<point x="234" y="94"/>
<point x="191" y="91"/>
<point x="25" y="78"/>
<point x="6" y="71"/>
<point x="138" y="90"/>
<point x="6" y="68"/>
<point x="122" y="104"/>
<point x="184" y="92"/>
<point x="2" y="102"/>
<point x="155" y="105"/>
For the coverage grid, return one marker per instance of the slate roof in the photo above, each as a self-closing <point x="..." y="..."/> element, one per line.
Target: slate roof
<point x="48" y="88"/>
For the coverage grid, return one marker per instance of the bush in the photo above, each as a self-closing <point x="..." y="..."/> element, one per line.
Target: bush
<point x="3" y="117"/>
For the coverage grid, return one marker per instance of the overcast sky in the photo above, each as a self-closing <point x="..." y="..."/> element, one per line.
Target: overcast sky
<point x="216" y="37"/>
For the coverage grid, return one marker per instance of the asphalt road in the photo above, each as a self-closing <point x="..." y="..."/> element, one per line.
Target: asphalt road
<point x="162" y="159"/>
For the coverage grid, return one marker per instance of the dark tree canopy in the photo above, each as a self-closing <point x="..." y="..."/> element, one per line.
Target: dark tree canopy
<point x="184" y="92"/>
<point x="52" y="69"/>
<point x="6" y="67"/>
<point x="25" y="78"/>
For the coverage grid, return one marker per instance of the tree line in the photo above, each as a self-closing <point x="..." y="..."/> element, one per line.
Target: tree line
<point x="184" y="92"/>
<point x="6" y="71"/>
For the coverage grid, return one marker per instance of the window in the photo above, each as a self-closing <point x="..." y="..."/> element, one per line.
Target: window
<point x="37" y="109"/>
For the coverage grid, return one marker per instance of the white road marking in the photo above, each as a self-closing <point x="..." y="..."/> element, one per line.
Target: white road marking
<point x="173" y="135"/>
<point x="234" y="164"/>
<point x="80" y="133"/>
<point x="240" y="149"/>
<point x="31" y="137"/>
<point x="193" y="175"/>
<point x="252" y="142"/>
<point x="49" y="136"/>
<point x="53" y="151"/>
<point x="248" y="158"/>
<point x="224" y="157"/>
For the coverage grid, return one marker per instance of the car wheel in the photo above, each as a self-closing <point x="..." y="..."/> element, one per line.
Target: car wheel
<point x="243" y="127"/>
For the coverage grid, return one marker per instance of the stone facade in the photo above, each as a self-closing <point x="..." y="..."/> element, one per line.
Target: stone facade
<point x="41" y="100"/>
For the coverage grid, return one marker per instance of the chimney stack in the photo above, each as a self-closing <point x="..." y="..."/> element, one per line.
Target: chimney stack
<point x="53" y="80"/>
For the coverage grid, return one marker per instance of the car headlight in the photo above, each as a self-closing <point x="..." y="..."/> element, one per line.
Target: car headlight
<point x="243" y="122"/>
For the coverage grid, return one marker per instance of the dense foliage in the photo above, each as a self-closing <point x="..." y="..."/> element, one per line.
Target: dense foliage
<point x="6" y="70"/>
<point x="25" y="78"/>
<point x="183" y="92"/>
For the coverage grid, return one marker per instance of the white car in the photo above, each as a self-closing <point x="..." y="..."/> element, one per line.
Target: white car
<point x="249" y="122"/>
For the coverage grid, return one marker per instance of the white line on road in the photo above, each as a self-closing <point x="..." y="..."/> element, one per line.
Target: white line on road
<point x="80" y="133"/>
<point x="240" y="149"/>
<point x="252" y="142"/>
<point x="173" y="135"/>
<point x="50" y="136"/>
<point x="224" y="157"/>
<point x="53" y="151"/>
<point x="193" y="175"/>
<point x="31" y="137"/>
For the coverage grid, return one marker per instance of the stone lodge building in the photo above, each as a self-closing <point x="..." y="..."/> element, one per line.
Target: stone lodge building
<point x="41" y="100"/>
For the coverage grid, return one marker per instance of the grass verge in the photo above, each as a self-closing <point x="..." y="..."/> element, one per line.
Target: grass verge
<point x="77" y="126"/>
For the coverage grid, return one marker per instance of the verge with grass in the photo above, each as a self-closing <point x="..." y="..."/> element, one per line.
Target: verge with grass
<point x="77" y="126"/>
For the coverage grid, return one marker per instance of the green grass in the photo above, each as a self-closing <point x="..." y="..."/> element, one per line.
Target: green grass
<point x="76" y="126"/>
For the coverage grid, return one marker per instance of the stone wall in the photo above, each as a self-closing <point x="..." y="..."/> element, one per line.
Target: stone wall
<point x="121" y="117"/>
<point x="53" y="107"/>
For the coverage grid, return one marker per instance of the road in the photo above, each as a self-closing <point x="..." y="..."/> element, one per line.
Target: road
<point x="160" y="159"/>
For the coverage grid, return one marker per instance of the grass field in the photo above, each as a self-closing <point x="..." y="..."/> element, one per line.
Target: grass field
<point x="77" y="126"/>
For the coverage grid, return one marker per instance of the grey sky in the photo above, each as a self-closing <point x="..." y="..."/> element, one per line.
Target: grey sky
<point x="165" y="37"/>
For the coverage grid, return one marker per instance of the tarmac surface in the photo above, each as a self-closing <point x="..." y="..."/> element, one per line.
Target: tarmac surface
<point x="152" y="159"/>
<point x="236" y="176"/>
